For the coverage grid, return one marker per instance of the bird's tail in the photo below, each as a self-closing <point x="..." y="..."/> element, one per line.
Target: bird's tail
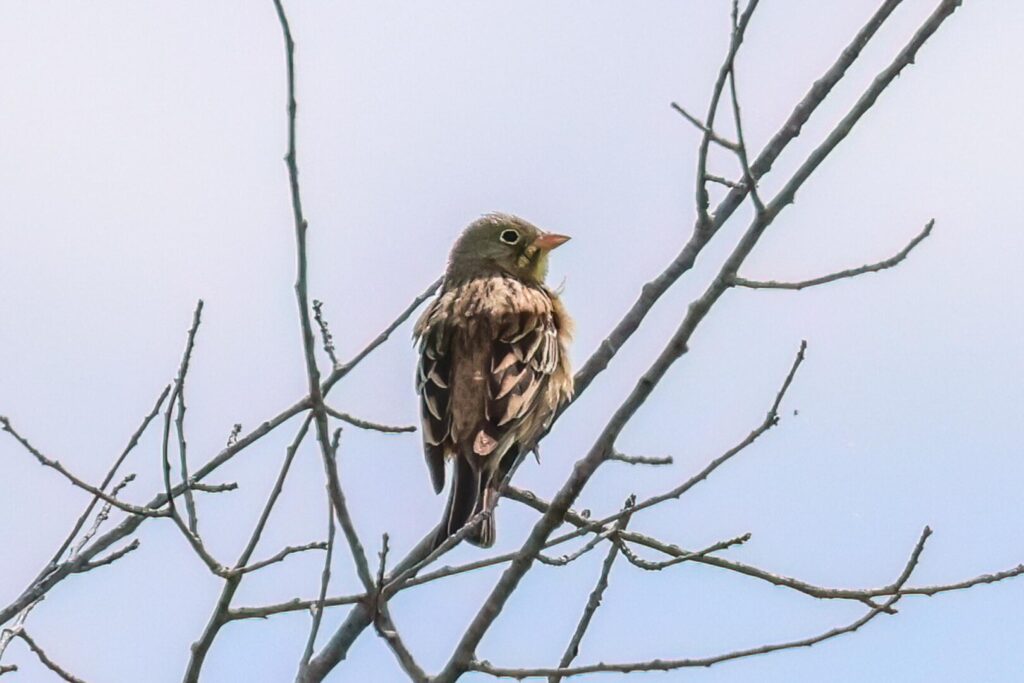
<point x="472" y="491"/>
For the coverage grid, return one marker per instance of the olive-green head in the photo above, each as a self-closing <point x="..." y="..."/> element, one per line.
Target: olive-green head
<point x="499" y="242"/>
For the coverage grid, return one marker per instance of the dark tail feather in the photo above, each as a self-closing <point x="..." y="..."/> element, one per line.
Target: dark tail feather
<point x="486" y="533"/>
<point x="469" y="495"/>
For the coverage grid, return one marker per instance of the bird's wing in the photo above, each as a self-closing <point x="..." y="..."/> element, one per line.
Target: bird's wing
<point x="512" y="339"/>
<point x="433" y="379"/>
<point x="524" y="355"/>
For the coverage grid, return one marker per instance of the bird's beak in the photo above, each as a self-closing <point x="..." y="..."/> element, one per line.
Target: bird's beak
<point x="549" y="241"/>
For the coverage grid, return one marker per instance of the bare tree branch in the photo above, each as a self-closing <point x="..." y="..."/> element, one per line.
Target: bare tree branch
<point x="647" y="565"/>
<point x="683" y="262"/>
<point x="673" y="664"/>
<point x="178" y="397"/>
<point x="325" y="575"/>
<point x="741" y="146"/>
<point x="5" y="423"/>
<point x="705" y="222"/>
<point x="366" y="424"/>
<point x="221" y="611"/>
<point x="111" y="473"/>
<point x="385" y="628"/>
<point x="867" y="100"/>
<point x="771" y="420"/>
<point x="572" y="650"/>
<point x="109" y="559"/>
<point x="826" y="593"/>
<point x="640" y="459"/>
<point x="54" y="574"/>
<point x="45" y="659"/>
<point x="594" y="366"/>
<point x="677" y="346"/>
<point x="325" y="332"/>
<point x="372" y="606"/>
<point x="101" y="517"/>
<point x="724" y="181"/>
<point x="568" y="558"/>
<point x="213" y="488"/>
<point x="852" y="272"/>
<point x="279" y="556"/>
<point x="317" y="406"/>
<point x="699" y="125"/>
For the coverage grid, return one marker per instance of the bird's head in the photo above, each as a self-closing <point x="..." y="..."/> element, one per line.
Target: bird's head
<point x="499" y="242"/>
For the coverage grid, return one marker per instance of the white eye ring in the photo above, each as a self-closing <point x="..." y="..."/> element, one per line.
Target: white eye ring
<point x="509" y="236"/>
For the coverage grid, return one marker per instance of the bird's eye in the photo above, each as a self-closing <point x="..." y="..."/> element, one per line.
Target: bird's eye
<point x="509" y="236"/>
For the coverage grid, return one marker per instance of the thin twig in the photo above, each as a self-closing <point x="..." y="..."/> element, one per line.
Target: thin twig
<point x="673" y="664"/>
<point x="385" y="627"/>
<point x="7" y="634"/>
<point x="54" y="574"/>
<point x="906" y="57"/>
<point x="179" y="421"/>
<point x="651" y="292"/>
<point x="858" y="594"/>
<point x="316" y="398"/>
<point x="640" y="459"/>
<point x="5" y="423"/>
<point x="108" y="559"/>
<point x="325" y="574"/>
<point x="705" y="222"/>
<point x="852" y="272"/>
<point x="398" y="581"/>
<point x="213" y="488"/>
<point x="325" y="332"/>
<point x="573" y="556"/>
<point x="45" y="659"/>
<point x="111" y="473"/>
<point x="771" y="419"/>
<point x="699" y="125"/>
<point x="222" y="610"/>
<point x="724" y="181"/>
<point x="572" y="650"/>
<point x="279" y="556"/>
<point x="101" y="517"/>
<point x="741" y="145"/>
<point x="647" y="565"/>
<point x="188" y="529"/>
<point x="366" y="424"/>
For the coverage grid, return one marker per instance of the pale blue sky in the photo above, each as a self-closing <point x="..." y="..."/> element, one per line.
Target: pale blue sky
<point x="140" y="169"/>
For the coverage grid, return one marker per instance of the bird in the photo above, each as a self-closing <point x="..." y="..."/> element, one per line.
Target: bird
<point x="493" y="365"/>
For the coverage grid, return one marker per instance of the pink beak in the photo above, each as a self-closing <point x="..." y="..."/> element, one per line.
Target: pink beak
<point x="550" y="240"/>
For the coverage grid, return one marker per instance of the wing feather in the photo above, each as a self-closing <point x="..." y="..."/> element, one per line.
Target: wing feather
<point x="513" y="337"/>
<point x="433" y="378"/>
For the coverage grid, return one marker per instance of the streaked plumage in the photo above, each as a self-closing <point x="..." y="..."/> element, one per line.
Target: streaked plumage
<point x="493" y="363"/>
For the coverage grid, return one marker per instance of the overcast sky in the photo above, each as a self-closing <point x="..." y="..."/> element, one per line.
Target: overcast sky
<point x="140" y="169"/>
